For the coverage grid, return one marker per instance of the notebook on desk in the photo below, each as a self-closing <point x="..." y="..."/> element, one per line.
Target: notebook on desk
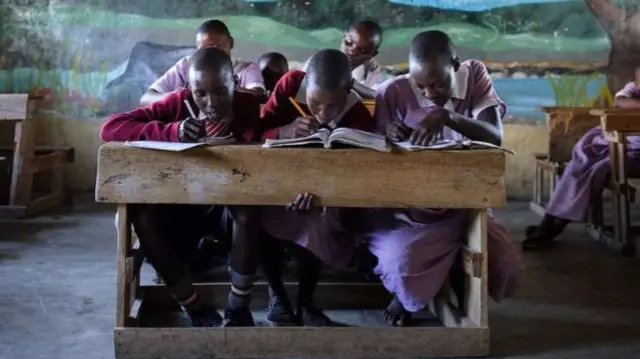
<point x="181" y="146"/>
<point x="327" y="138"/>
<point x="452" y="145"/>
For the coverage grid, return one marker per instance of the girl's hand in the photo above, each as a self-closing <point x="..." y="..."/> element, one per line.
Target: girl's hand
<point x="301" y="127"/>
<point x="302" y="203"/>
<point x="430" y="127"/>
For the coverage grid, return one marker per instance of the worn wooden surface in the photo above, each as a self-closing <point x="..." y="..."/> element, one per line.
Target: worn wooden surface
<point x="13" y="107"/>
<point x="566" y="126"/>
<point x="289" y="342"/>
<point x="341" y="177"/>
<point x="627" y="122"/>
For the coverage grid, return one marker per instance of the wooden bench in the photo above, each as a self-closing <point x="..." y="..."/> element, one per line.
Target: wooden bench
<point x="28" y="160"/>
<point x="251" y="175"/>
<point x="566" y="125"/>
<point x="617" y="125"/>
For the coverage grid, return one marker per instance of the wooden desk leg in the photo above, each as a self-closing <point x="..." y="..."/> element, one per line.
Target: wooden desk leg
<point x="123" y="294"/>
<point x="623" y="238"/>
<point x="539" y="185"/>
<point x="23" y="155"/>
<point x="476" y="300"/>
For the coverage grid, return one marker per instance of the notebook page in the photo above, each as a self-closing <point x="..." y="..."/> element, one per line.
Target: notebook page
<point x="164" y="146"/>
<point x="315" y="138"/>
<point x="443" y="145"/>
<point x="360" y="139"/>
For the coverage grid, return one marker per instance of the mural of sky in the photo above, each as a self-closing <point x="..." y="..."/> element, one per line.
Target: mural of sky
<point x="98" y="56"/>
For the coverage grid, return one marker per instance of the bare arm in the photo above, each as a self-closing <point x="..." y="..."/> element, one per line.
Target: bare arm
<point x="486" y="128"/>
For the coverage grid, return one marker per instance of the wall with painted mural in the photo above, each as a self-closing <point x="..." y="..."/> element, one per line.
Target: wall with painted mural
<point x="95" y="57"/>
<point x="99" y="55"/>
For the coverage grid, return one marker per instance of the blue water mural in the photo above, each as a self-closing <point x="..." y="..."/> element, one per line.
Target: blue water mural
<point x="473" y="5"/>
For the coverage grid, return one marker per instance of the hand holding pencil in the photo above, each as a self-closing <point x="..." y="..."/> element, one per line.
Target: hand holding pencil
<point x="302" y="126"/>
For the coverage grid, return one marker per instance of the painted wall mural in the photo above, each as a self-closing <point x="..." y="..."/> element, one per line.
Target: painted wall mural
<point x="94" y="57"/>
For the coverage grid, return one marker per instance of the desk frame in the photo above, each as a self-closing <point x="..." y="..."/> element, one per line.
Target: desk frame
<point x="476" y="177"/>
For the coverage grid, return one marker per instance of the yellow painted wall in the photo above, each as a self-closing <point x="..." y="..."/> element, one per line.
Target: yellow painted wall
<point x="82" y="134"/>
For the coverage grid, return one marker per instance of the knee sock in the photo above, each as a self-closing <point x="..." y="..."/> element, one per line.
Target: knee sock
<point x="310" y="268"/>
<point x="186" y="295"/>
<point x="240" y="294"/>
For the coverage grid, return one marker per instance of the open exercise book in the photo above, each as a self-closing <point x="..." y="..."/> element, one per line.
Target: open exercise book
<point x="343" y="135"/>
<point x="181" y="146"/>
<point x="452" y="145"/>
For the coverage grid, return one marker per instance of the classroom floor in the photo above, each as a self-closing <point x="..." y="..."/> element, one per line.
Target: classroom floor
<point x="57" y="293"/>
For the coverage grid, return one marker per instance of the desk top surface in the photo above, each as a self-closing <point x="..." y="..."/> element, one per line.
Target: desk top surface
<point x="250" y="174"/>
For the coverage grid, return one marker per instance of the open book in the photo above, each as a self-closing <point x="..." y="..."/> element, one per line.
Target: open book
<point x="452" y="145"/>
<point x="343" y="135"/>
<point x="181" y="146"/>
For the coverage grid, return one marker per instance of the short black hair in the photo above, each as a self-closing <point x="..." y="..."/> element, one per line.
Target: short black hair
<point x="431" y="43"/>
<point x="211" y="59"/>
<point x="214" y="26"/>
<point x="329" y="69"/>
<point x="265" y="59"/>
<point x="371" y="27"/>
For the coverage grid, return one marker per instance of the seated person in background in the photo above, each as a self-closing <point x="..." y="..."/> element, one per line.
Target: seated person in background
<point x="273" y="66"/>
<point x="441" y="97"/>
<point x="585" y="176"/>
<point x="324" y="93"/>
<point x="212" y="33"/>
<point x="361" y="43"/>
<point x="166" y="230"/>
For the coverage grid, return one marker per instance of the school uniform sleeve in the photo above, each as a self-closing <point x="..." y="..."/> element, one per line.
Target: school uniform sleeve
<point x="278" y="111"/>
<point x="251" y="77"/>
<point x="246" y="111"/>
<point x="359" y="118"/>
<point x="483" y="94"/>
<point x="158" y="121"/>
<point x="174" y="79"/>
<point x="386" y="110"/>
<point x="630" y="90"/>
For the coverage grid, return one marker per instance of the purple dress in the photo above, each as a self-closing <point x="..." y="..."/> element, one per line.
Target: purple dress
<point x="417" y="247"/>
<point x="588" y="171"/>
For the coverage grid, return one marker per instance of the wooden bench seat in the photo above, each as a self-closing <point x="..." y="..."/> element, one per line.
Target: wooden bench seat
<point x="251" y="175"/>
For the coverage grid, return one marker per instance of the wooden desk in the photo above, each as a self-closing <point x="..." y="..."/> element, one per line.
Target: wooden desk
<point x="350" y="177"/>
<point x="617" y="125"/>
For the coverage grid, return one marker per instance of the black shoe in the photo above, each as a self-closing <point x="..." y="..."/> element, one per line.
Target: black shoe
<point x="238" y="317"/>
<point x="281" y="313"/>
<point x="537" y="241"/>
<point x="205" y="317"/>
<point x="312" y="317"/>
<point x="395" y="314"/>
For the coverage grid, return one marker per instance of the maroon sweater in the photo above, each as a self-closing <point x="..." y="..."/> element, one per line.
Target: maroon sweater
<point x="159" y="121"/>
<point x="278" y="111"/>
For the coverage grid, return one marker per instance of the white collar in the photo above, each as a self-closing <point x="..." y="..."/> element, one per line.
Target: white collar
<point x="351" y="100"/>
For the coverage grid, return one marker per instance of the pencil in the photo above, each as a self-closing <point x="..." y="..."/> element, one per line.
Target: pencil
<point x="297" y="106"/>
<point x="193" y="114"/>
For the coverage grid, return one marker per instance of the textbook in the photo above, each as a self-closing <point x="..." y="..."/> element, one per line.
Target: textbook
<point x="343" y="135"/>
<point x="452" y="145"/>
<point x="181" y="146"/>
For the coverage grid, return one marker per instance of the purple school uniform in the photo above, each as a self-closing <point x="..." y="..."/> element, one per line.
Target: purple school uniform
<point x="417" y="247"/>
<point x="587" y="173"/>
<point x="248" y="73"/>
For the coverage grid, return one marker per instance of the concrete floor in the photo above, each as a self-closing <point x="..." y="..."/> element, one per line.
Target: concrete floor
<point x="57" y="293"/>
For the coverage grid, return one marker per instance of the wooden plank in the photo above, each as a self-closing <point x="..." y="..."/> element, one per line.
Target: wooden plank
<point x="123" y="291"/>
<point x="566" y="127"/>
<point x="288" y="342"/>
<point x="13" y="107"/>
<point x="634" y="183"/>
<point x="46" y="202"/>
<point x="22" y="172"/>
<point x="49" y="161"/>
<point x="328" y="295"/>
<point x="623" y="122"/>
<point x="251" y="175"/>
<point x="476" y="294"/>
<point x="607" y="111"/>
<point x="39" y="150"/>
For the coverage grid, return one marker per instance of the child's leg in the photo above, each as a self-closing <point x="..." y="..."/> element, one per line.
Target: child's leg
<point x="309" y="271"/>
<point x="272" y="263"/>
<point x="244" y="262"/>
<point x="163" y="231"/>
